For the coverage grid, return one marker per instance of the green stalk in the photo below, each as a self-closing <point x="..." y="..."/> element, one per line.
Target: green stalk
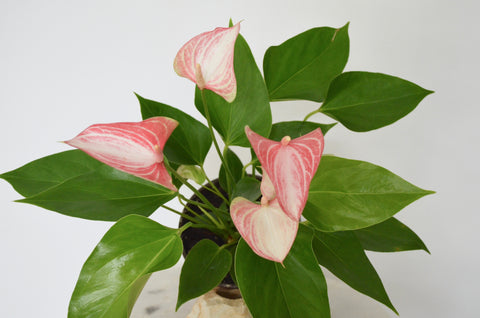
<point x="209" y="121"/>
<point x="311" y="114"/>
<point x="194" y="190"/>
<point x="188" y="217"/>
<point x="213" y="188"/>
<point x="244" y="169"/>
<point x="200" y="217"/>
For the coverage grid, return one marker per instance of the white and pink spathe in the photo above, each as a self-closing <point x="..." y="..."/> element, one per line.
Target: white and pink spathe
<point x="288" y="166"/>
<point x="207" y="60"/>
<point x="132" y="147"/>
<point x="291" y="165"/>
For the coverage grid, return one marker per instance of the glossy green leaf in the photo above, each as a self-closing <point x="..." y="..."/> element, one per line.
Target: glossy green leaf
<point x="364" y="101"/>
<point x="114" y="274"/>
<point x="303" y="66"/>
<point x="248" y="188"/>
<point x="251" y="106"/>
<point x="235" y="165"/>
<point x="297" y="290"/>
<point x="342" y="254"/>
<point x="50" y="171"/>
<point x="205" y="266"/>
<point x="75" y="184"/>
<point x="295" y="129"/>
<point x="350" y="194"/>
<point x="190" y="141"/>
<point x="389" y="236"/>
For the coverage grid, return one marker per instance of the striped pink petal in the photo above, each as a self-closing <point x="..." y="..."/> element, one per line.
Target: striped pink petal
<point x="291" y="165"/>
<point x="266" y="228"/>
<point x="207" y="60"/>
<point x="266" y="187"/>
<point x="135" y="148"/>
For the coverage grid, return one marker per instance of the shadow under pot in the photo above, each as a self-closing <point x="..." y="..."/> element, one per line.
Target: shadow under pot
<point x="191" y="236"/>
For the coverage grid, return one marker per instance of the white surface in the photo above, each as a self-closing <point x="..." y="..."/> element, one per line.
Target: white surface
<point x="67" y="64"/>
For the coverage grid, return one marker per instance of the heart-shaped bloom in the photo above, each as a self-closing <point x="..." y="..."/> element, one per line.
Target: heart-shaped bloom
<point x="135" y="148"/>
<point x="207" y="60"/>
<point x="265" y="227"/>
<point x="291" y="165"/>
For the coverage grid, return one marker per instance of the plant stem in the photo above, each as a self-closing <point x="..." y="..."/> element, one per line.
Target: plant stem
<point x="194" y="190"/>
<point x="214" y="189"/>
<point x="244" y="169"/>
<point x="311" y="114"/>
<point x="214" y="139"/>
<point x="188" y="217"/>
<point x="200" y="217"/>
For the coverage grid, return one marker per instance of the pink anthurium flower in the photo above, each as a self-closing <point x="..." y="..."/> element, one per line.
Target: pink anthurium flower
<point x="291" y="165"/>
<point x="135" y="148"/>
<point x="207" y="60"/>
<point x="265" y="227"/>
<point x="266" y="187"/>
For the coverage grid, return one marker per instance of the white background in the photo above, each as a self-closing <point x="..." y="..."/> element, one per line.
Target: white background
<point x="67" y="64"/>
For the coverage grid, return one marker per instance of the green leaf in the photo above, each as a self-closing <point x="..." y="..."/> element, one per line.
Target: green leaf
<point x="303" y="66"/>
<point x="364" y="101"/>
<point x="297" y="290"/>
<point x="295" y="129"/>
<point x="204" y="268"/>
<point x="235" y="165"/>
<point x="114" y="274"/>
<point x="342" y="254"/>
<point x="50" y="171"/>
<point x="80" y="186"/>
<point x="389" y="236"/>
<point x="248" y="188"/>
<point x="350" y="194"/>
<point x="190" y="141"/>
<point x="251" y="106"/>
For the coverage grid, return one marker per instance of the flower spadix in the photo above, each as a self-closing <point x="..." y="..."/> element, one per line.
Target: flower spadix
<point x="135" y="148"/>
<point x="291" y="165"/>
<point x="265" y="227"/>
<point x="207" y="60"/>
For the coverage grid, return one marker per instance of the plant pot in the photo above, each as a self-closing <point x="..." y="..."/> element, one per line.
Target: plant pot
<point x="192" y="236"/>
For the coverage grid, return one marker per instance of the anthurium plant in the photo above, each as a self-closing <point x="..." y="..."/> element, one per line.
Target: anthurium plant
<point x="286" y="213"/>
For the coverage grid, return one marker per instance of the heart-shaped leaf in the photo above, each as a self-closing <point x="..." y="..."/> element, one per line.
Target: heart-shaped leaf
<point x="364" y="101"/>
<point x="303" y="66"/>
<point x="189" y="142"/>
<point x="297" y="290"/>
<point x="248" y="188"/>
<point x="350" y="194"/>
<point x="251" y="106"/>
<point x="342" y="254"/>
<point x="74" y="184"/>
<point x="296" y="129"/>
<point x="41" y="174"/>
<point x="389" y="236"/>
<point x="204" y="268"/>
<point x="117" y="269"/>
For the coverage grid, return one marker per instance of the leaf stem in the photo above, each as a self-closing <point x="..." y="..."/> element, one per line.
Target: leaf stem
<point x="214" y="189"/>
<point x="311" y="114"/>
<point x="244" y="169"/>
<point x="209" y="121"/>
<point x="188" y="217"/>
<point x="191" y="187"/>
